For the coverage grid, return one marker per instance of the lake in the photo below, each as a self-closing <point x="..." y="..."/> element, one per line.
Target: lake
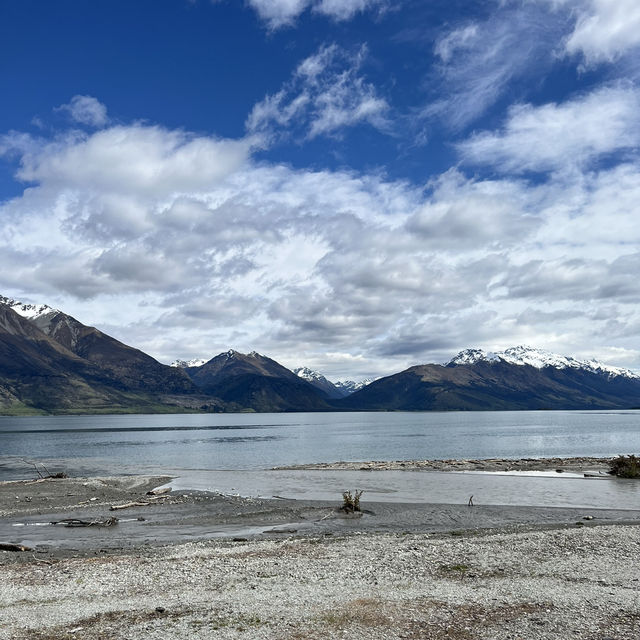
<point x="155" y="443"/>
<point x="231" y="452"/>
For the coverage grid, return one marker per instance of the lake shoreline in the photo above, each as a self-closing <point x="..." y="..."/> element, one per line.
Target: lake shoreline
<point x="145" y="512"/>
<point x="577" y="464"/>
<point x="191" y="564"/>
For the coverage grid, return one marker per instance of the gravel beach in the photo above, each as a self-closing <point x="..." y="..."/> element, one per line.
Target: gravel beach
<point x="193" y="564"/>
<point x="533" y="585"/>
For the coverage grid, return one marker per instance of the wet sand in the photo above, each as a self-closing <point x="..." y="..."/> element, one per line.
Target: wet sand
<point x="28" y="509"/>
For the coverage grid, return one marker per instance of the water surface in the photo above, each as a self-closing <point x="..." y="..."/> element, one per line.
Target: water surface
<point x="155" y="443"/>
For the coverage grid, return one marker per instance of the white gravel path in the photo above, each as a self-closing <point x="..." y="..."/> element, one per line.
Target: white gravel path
<point x="580" y="582"/>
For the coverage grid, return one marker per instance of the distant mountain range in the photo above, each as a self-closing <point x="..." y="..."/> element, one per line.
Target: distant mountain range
<point x="52" y="363"/>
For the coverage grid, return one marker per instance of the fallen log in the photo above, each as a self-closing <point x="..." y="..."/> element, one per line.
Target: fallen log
<point x="8" y="546"/>
<point x="127" y="505"/>
<point x="76" y="522"/>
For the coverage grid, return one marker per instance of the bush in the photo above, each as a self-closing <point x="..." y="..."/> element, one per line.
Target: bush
<point x="351" y="502"/>
<point x="625" y="467"/>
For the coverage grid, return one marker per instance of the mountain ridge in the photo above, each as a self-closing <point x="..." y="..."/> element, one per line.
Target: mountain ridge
<point x="51" y="362"/>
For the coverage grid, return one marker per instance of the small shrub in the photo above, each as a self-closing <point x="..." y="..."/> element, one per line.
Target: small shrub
<point x="351" y="502"/>
<point x="625" y="467"/>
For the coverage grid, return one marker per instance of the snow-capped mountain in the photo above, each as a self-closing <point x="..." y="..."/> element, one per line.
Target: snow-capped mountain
<point x="309" y="374"/>
<point x="183" y="364"/>
<point x="319" y="381"/>
<point x="349" y="386"/>
<point x="539" y="358"/>
<point x="338" y="389"/>
<point x="29" y="311"/>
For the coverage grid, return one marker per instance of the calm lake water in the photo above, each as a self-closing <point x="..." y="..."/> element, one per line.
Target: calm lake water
<point x="152" y="443"/>
<point x="231" y="452"/>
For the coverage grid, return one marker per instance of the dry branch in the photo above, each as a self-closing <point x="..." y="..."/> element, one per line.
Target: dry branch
<point x="127" y="505"/>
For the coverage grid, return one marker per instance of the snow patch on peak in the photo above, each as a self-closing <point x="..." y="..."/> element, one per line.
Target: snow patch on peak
<point x="29" y="311"/>
<point x="539" y="358"/>
<point x="471" y="356"/>
<point x="309" y="374"/>
<point x="350" y="386"/>
<point x="183" y="364"/>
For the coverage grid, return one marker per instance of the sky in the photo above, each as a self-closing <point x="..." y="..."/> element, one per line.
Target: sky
<point x="356" y="186"/>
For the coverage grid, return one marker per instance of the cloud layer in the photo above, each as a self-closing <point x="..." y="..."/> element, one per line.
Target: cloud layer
<point x="188" y="243"/>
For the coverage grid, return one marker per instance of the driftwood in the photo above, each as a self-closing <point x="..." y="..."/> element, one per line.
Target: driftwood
<point x="157" y="498"/>
<point x="58" y="475"/>
<point x="127" y="505"/>
<point x="8" y="546"/>
<point x="76" y="522"/>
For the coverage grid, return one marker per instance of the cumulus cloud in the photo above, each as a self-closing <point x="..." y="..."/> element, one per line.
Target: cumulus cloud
<point x="128" y="158"/>
<point x="281" y="13"/>
<point x="605" y="30"/>
<point x="185" y="246"/>
<point x="554" y="136"/>
<point x="86" y="110"/>
<point x="327" y="93"/>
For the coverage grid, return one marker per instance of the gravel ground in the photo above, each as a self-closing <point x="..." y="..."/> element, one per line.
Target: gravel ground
<point x="577" y="582"/>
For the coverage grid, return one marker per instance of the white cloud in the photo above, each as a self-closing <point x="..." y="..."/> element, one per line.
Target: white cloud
<point x="326" y="93"/>
<point x="605" y="30"/>
<point x="128" y="158"/>
<point x="479" y="59"/>
<point x="279" y="13"/>
<point x="346" y="9"/>
<point x="183" y="246"/>
<point x="284" y="13"/>
<point x="86" y="110"/>
<point x="555" y="136"/>
<point x="457" y="40"/>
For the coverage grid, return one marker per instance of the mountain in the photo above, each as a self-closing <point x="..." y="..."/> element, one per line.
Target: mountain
<point x="347" y="387"/>
<point x="518" y="378"/>
<point x="539" y="358"/>
<point x="39" y="374"/>
<point x="320" y="382"/>
<point x="133" y="369"/>
<point x="256" y="382"/>
<point x="183" y="364"/>
<point x="51" y="362"/>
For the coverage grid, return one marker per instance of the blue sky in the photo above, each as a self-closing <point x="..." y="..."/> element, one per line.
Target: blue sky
<point x="352" y="185"/>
